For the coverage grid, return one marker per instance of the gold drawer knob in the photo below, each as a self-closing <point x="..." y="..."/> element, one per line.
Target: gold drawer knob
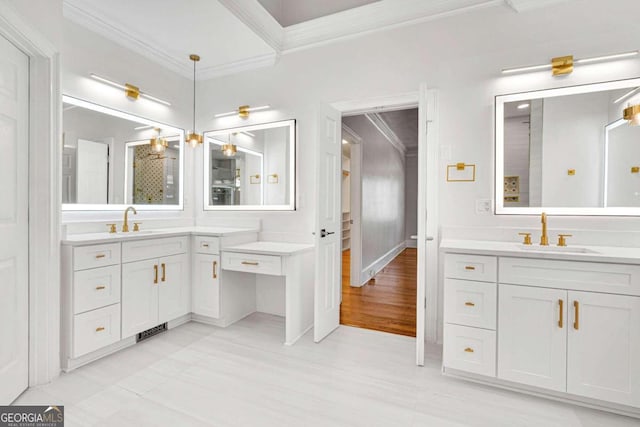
<point x="101" y="287"/>
<point x="469" y="304"/>
<point x="99" y="329"/>
<point x="470" y="268"/>
<point x="249" y="263"/>
<point x="468" y="350"/>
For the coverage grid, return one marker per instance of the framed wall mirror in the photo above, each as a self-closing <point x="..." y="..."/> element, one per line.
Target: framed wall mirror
<point x="250" y="167"/>
<point x="568" y="151"/>
<point x="112" y="159"/>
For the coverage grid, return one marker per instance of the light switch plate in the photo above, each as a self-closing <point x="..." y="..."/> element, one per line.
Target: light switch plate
<point x="483" y="206"/>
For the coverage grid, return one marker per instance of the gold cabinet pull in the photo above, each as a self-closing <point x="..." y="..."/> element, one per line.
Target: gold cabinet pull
<point x="576" y="315"/>
<point x="164" y="272"/>
<point x="205" y="245"/>
<point x="469" y="304"/>
<point x="249" y="263"/>
<point x="470" y="268"/>
<point x="155" y="272"/>
<point x="561" y="309"/>
<point x="215" y="269"/>
<point x="99" y="256"/>
<point x="468" y="350"/>
<point x="101" y="287"/>
<point x="99" y="329"/>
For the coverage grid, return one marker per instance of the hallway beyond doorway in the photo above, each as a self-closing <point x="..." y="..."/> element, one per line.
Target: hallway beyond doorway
<point x="387" y="304"/>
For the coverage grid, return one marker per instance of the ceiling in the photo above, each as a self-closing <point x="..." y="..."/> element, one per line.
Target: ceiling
<point x="237" y="35"/>
<point x="291" y="12"/>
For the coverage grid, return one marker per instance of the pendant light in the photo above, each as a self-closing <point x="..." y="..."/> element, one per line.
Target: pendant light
<point x="632" y="114"/>
<point x="193" y="138"/>
<point x="158" y="143"/>
<point x="229" y="149"/>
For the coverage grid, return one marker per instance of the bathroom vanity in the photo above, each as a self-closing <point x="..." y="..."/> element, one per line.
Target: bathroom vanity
<point x="118" y="286"/>
<point x="555" y="321"/>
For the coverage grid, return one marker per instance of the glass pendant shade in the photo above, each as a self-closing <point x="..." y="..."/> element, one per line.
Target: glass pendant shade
<point x="158" y="143"/>
<point x="194" y="139"/>
<point x="229" y="150"/>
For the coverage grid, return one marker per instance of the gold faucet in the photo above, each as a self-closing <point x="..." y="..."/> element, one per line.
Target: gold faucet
<point x="544" y="239"/>
<point x="125" y="224"/>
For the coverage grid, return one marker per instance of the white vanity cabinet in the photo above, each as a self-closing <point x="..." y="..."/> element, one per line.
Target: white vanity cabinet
<point x="154" y="290"/>
<point x="568" y="326"/>
<point x="206" y="280"/>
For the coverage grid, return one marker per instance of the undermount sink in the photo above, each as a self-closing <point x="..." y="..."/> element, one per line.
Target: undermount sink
<point x="563" y="249"/>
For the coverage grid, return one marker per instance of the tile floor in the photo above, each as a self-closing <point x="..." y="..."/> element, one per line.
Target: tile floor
<point x="199" y="375"/>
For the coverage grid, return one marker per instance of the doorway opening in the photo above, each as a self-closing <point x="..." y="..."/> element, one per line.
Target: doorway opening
<point x="379" y="220"/>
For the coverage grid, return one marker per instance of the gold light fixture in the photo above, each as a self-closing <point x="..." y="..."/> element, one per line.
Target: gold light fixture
<point x="194" y="138"/>
<point x="632" y="114"/>
<point x="229" y="149"/>
<point x="563" y="65"/>
<point x="243" y="111"/>
<point x="158" y="143"/>
<point x="131" y="91"/>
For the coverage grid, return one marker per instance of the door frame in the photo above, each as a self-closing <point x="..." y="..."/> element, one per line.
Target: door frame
<point x="429" y="155"/>
<point x="45" y="147"/>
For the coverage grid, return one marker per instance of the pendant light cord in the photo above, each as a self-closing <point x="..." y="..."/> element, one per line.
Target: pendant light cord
<point x="194" y="96"/>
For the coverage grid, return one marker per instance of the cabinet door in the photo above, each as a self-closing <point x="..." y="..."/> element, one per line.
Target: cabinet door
<point x="175" y="289"/>
<point x="532" y="336"/>
<point x="206" y="286"/>
<point x="604" y="347"/>
<point x="139" y="296"/>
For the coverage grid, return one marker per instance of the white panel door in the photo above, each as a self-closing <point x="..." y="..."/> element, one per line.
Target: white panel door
<point x="14" y="231"/>
<point x="328" y="284"/>
<point x="532" y="336"/>
<point x="604" y="347"/>
<point x="206" y="285"/>
<point x="92" y="164"/>
<point x="175" y="288"/>
<point x="140" y="282"/>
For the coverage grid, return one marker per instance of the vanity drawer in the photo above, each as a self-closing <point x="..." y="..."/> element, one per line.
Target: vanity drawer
<point x="470" y="303"/>
<point x="95" y="288"/>
<point x="96" y="329"/>
<point x="252" y="263"/>
<point x="85" y="257"/>
<point x="471" y="267"/>
<point x="572" y="275"/>
<point x="206" y="245"/>
<point x="470" y="349"/>
<point x="139" y="250"/>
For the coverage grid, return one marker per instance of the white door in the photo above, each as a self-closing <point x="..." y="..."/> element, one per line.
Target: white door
<point x="92" y="163"/>
<point x="14" y="196"/>
<point x="328" y="284"/>
<point x="140" y="281"/>
<point x="604" y="347"/>
<point x="175" y="288"/>
<point x="532" y="336"/>
<point x="206" y="285"/>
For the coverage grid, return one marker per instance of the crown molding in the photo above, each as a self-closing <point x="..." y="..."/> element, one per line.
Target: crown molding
<point x="357" y="139"/>
<point x="526" y="5"/>
<point x="382" y="126"/>
<point x="124" y="37"/>
<point x="252" y="63"/>
<point x="252" y="14"/>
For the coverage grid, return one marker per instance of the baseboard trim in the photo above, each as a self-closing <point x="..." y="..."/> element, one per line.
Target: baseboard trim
<point x="72" y="364"/>
<point x="375" y="267"/>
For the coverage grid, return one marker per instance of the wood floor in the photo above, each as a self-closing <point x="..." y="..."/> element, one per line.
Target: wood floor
<point x="387" y="304"/>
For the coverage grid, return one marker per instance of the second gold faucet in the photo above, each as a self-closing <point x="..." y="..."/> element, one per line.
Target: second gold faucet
<point x="125" y="224"/>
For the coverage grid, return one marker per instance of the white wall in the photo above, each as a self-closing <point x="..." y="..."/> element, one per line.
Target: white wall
<point x="624" y="153"/>
<point x="516" y="155"/>
<point x="383" y="194"/>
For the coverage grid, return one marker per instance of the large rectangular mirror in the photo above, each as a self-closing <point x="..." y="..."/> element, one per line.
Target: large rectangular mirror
<point x="250" y="167"/>
<point x="112" y="159"/>
<point x="568" y="151"/>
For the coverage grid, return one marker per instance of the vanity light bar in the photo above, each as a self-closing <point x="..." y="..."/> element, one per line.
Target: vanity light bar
<point x="144" y="127"/>
<point x="250" y="109"/>
<point x="129" y="88"/>
<point x="627" y="95"/>
<point x="549" y="66"/>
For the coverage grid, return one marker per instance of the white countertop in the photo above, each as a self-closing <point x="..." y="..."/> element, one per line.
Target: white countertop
<point x="94" y="238"/>
<point x="270" y="248"/>
<point x="610" y="254"/>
